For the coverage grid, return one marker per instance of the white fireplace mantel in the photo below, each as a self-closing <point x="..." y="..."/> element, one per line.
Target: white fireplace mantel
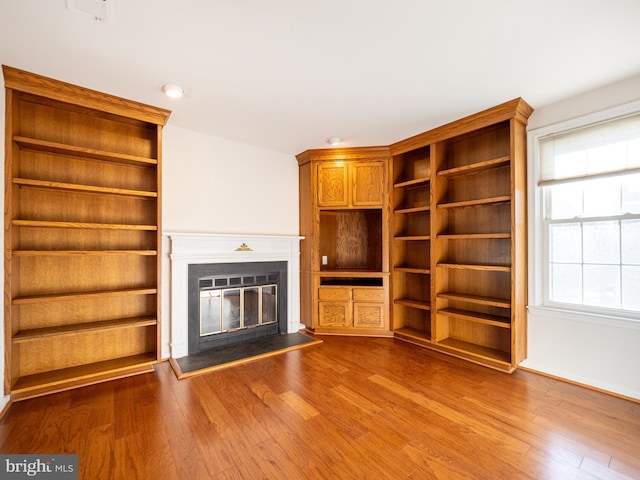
<point x="198" y="248"/>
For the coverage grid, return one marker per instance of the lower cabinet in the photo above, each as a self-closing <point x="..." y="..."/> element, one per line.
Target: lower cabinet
<point x="352" y="308"/>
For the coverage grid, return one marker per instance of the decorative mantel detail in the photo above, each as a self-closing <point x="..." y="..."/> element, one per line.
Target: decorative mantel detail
<point x="197" y="248"/>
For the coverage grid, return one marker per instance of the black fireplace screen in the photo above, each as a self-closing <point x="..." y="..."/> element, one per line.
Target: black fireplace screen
<point x="226" y="310"/>
<point x="235" y="302"/>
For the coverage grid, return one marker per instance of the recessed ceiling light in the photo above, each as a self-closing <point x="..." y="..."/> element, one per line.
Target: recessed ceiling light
<point x="334" y="140"/>
<point x="172" y="90"/>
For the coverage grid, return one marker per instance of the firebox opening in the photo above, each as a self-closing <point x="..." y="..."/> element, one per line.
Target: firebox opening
<point x="232" y="303"/>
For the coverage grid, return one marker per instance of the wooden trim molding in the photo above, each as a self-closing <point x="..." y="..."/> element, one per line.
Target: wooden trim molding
<point x="32" y="83"/>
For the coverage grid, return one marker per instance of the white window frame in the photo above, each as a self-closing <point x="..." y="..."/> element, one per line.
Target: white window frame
<point x="538" y="258"/>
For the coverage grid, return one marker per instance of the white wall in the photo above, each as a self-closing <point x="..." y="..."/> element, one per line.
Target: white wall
<point x="214" y="185"/>
<point x="600" y="352"/>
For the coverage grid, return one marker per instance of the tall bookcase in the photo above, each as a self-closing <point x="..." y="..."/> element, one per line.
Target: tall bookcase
<point x="459" y="237"/>
<point x="82" y="234"/>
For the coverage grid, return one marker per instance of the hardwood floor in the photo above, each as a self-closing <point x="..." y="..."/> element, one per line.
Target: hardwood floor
<point x="348" y="408"/>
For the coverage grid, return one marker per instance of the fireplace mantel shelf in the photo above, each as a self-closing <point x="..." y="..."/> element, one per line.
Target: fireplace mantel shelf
<point x="188" y="248"/>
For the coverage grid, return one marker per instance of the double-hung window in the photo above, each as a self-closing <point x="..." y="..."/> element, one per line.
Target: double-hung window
<point x="588" y="190"/>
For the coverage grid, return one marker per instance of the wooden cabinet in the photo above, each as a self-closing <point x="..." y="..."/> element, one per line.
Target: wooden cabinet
<point x="353" y="307"/>
<point x="454" y="214"/>
<point x="344" y="257"/>
<point x="351" y="184"/>
<point x="459" y="237"/>
<point x="82" y="233"/>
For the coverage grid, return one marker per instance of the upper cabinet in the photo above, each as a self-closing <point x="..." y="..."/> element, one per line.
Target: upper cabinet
<point x="351" y="184"/>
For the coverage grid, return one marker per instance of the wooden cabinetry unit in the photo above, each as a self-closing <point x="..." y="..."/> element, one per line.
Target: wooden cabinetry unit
<point x="357" y="184"/>
<point x="459" y="237"/>
<point x="353" y="307"/>
<point x="82" y="233"/>
<point x="344" y="257"/>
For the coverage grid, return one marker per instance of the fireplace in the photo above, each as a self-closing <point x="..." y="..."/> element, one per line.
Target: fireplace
<point x="231" y="303"/>
<point x="241" y="261"/>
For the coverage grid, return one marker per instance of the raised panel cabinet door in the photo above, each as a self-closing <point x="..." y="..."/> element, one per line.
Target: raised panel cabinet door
<point x="334" y="314"/>
<point x="367" y="184"/>
<point x="333" y="185"/>
<point x="368" y="315"/>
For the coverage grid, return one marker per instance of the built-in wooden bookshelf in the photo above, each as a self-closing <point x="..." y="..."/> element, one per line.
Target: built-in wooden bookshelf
<point x="344" y="256"/>
<point x="82" y="235"/>
<point x="456" y="225"/>
<point x="463" y="291"/>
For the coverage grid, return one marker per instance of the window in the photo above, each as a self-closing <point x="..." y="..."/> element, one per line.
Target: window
<point x="588" y="194"/>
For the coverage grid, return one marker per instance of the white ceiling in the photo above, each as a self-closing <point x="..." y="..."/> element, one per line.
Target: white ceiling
<point x="286" y="74"/>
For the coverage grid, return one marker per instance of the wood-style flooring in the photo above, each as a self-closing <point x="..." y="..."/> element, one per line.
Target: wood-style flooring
<point x="348" y="408"/>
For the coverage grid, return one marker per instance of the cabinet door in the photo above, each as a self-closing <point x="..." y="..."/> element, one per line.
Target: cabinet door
<point x="334" y="307"/>
<point x="368" y="307"/>
<point x="333" y="185"/>
<point x="334" y="314"/>
<point x="368" y="315"/>
<point x="367" y="184"/>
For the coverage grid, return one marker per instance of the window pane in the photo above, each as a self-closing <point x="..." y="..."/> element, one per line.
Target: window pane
<point x="631" y="242"/>
<point x="602" y="197"/>
<point x="631" y="288"/>
<point x="566" y="283"/>
<point x="601" y="242"/>
<point x="602" y="285"/>
<point x="565" y="200"/>
<point x="631" y="193"/>
<point x="566" y="243"/>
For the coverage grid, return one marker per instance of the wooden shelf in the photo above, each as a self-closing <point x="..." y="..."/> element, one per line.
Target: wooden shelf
<point x="404" y="211"/>
<point x="485" y="268"/>
<point x="409" y="302"/>
<point x="475" y="167"/>
<point x="411" y="334"/>
<point x="64" y="379"/>
<point x="72" y="187"/>
<point x="351" y="273"/>
<point x="477" y="317"/>
<point x="473" y="236"/>
<point x="410" y="238"/>
<point x="94" y="226"/>
<point x="65" y="253"/>
<point x="490" y="354"/>
<point x="479" y="300"/>
<point x="477" y="202"/>
<point x="33" y="144"/>
<point x="424" y="271"/>
<point x="63" y="297"/>
<point x="38" y="333"/>
<point x="416" y="182"/>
